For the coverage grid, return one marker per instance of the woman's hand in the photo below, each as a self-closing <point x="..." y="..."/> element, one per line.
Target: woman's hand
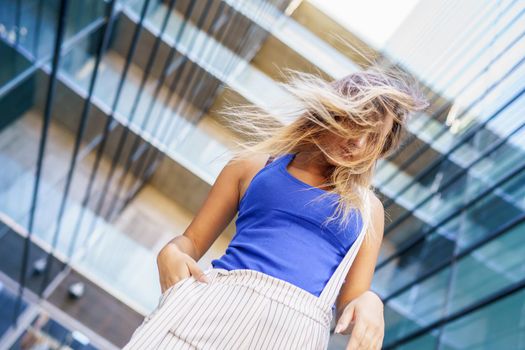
<point x="363" y="319"/>
<point x="175" y="265"/>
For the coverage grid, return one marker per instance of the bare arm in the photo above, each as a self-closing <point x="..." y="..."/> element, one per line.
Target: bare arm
<point x="359" y="310"/>
<point x="178" y="258"/>
<point x="359" y="277"/>
<point x="215" y="214"/>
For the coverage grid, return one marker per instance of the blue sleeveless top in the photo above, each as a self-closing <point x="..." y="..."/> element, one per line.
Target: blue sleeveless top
<point x="278" y="232"/>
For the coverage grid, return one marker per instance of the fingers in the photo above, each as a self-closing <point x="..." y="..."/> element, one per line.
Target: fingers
<point x="196" y="272"/>
<point x="377" y="342"/>
<point x="175" y="267"/>
<point x="368" y="339"/>
<point x="171" y="283"/>
<point x="168" y="278"/>
<point x="365" y="335"/>
<point x="358" y="340"/>
<point x="371" y="340"/>
<point x="344" y="324"/>
<point x="379" y="335"/>
<point x="377" y="332"/>
<point x="162" y="285"/>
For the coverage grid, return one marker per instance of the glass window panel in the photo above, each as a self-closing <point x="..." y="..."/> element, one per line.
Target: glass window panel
<point x="423" y="257"/>
<point x="500" y="325"/>
<point x="427" y="341"/>
<point x="486" y="216"/>
<point x="417" y="307"/>
<point x="404" y="233"/>
<point x="489" y="268"/>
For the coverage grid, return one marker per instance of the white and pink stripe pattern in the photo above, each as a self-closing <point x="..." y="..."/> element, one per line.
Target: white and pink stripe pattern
<point x="242" y="309"/>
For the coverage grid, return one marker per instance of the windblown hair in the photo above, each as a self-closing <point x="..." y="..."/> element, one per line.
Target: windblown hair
<point x="354" y="105"/>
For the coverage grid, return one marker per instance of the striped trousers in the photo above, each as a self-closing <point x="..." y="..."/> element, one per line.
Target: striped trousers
<point x="242" y="309"/>
<point x="237" y="309"/>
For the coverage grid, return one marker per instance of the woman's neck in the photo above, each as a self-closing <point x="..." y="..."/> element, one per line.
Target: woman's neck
<point x="313" y="161"/>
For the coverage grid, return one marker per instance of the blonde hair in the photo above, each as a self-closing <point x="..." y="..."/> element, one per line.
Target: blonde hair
<point x="348" y="107"/>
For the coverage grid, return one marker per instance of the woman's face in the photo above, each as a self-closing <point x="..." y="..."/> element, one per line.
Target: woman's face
<point x="352" y="149"/>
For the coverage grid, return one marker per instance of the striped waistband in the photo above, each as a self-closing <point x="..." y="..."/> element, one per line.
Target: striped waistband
<point x="276" y="289"/>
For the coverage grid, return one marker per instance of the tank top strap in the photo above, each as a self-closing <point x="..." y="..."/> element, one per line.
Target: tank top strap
<point x="331" y="290"/>
<point x="270" y="159"/>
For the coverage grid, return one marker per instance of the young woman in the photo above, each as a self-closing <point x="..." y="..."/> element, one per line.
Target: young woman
<point x="309" y="226"/>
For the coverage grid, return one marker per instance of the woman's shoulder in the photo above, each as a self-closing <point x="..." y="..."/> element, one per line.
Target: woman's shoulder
<point x="377" y="215"/>
<point x="375" y="202"/>
<point x="256" y="161"/>
<point x="252" y="164"/>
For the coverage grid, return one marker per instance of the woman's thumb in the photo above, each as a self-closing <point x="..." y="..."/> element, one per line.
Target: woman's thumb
<point x="196" y="272"/>
<point x="345" y="319"/>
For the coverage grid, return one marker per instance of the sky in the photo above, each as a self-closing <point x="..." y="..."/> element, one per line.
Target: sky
<point x="373" y="20"/>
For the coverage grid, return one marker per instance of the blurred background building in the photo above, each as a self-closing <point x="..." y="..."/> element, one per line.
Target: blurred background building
<point x="110" y="139"/>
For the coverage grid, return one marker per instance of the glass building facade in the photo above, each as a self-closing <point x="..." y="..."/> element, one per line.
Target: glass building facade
<point x="109" y="130"/>
<point x="452" y="268"/>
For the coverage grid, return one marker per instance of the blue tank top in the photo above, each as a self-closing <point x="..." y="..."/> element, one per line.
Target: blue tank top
<point x="279" y="232"/>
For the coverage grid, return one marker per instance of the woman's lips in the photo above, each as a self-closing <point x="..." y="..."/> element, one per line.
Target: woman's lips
<point x="346" y="151"/>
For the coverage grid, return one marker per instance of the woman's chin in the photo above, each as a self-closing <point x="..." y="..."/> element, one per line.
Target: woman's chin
<point x="342" y="157"/>
<point x="349" y="158"/>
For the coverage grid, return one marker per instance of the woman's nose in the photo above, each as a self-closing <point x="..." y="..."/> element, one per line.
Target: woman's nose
<point x="358" y="143"/>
